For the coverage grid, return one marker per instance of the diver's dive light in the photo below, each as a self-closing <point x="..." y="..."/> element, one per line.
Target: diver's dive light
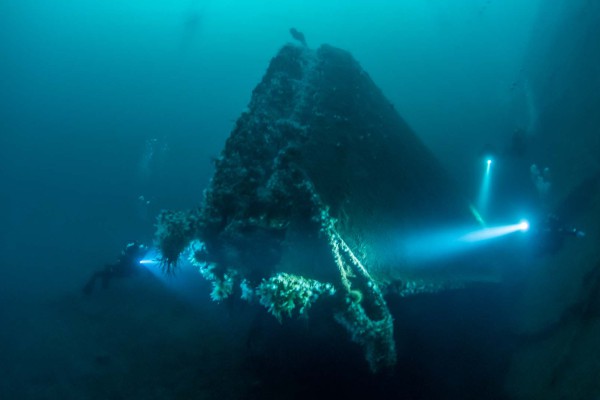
<point x="484" y="191"/>
<point x="494" y="232"/>
<point x="150" y="258"/>
<point x="437" y="244"/>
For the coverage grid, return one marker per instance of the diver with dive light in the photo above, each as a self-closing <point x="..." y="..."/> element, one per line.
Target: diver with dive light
<point x="552" y="231"/>
<point x="128" y="264"/>
<point x="548" y="232"/>
<point x="550" y="236"/>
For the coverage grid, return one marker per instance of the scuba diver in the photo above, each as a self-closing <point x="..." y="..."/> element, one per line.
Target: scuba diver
<point x="553" y="231"/>
<point x="299" y="36"/>
<point x="551" y="234"/>
<point x="128" y="264"/>
<point x="513" y="190"/>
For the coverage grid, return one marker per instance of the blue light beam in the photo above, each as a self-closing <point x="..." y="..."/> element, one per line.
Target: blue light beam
<point x="484" y="191"/>
<point x="186" y="283"/>
<point x="435" y="245"/>
<point x="148" y="262"/>
<point x="151" y="261"/>
<point x="152" y="257"/>
<point x="491" y="233"/>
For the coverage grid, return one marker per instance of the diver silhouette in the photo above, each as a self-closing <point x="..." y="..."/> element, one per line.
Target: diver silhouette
<point x="551" y="235"/>
<point x="299" y="36"/>
<point x="127" y="264"/>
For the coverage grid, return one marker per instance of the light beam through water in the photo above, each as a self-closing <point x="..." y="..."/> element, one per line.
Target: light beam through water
<point x="484" y="191"/>
<point x="435" y="245"/>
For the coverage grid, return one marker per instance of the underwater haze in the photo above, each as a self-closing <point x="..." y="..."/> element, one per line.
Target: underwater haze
<point x="111" y="111"/>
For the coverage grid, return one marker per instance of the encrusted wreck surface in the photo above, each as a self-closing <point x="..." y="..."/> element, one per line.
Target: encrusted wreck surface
<point x="318" y="179"/>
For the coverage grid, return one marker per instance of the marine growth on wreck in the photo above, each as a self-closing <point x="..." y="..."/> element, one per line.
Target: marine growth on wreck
<point x="316" y="180"/>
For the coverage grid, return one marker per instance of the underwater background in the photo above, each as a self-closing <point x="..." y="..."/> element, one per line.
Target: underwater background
<point x="111" y="111"/>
